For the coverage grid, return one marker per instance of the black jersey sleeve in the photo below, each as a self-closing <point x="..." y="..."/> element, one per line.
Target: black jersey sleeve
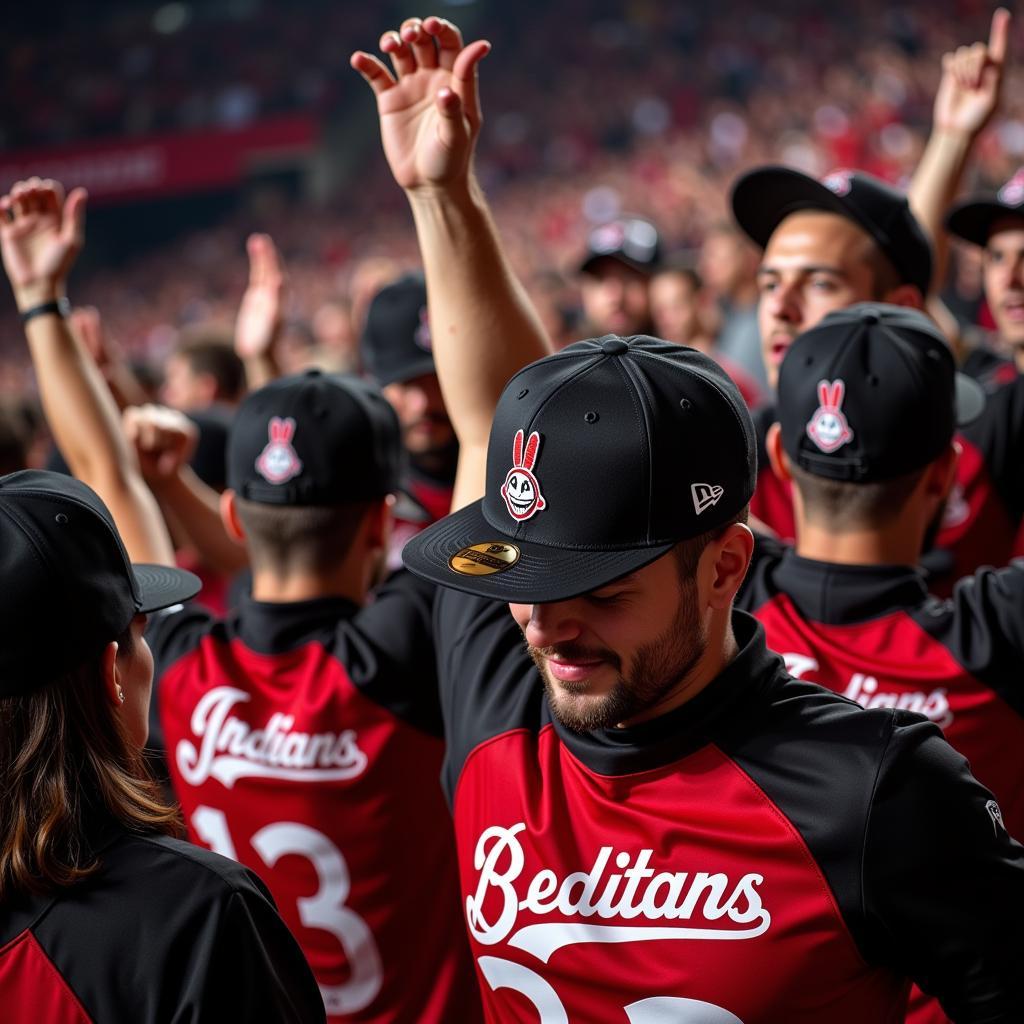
<point x="943" y="882"/>
<point x="489" y="684"/>
<point x="254" y="969"/>
<point x="392" y="656"/>
<point x="999" y="435"/>
<point x="174" y="632"/>
<point x="982" y="625"/>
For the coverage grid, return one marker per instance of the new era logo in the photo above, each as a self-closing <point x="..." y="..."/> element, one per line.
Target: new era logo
<point x="705" y="495"/>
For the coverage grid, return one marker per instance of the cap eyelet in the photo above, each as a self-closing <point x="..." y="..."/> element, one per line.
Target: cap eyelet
<point x="591" y="417"/>
<point x="685" y="404"/>
<point x="523" y="393"/>
<point x="61" y="518"/>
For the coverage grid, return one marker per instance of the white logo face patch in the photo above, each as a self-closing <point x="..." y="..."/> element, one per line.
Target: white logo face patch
<point x="996" y="815"/>
<point x="422" y="336"/>
<point x="705" y="496"/>
<point x="838" y="181"/>
<point x="521" y="489"/>
<point x="279" y="462"/>
<point x="828" y="428"/>
<point x="1012" y="193"/>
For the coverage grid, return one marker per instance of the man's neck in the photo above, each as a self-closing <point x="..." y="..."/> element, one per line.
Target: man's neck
<point x="863" y="547"/>
<point x="275" y="589"/>
<point x="721" y="650"/>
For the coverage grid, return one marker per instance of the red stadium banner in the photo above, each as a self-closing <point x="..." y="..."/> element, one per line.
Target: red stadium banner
<point x="166" y="164"/>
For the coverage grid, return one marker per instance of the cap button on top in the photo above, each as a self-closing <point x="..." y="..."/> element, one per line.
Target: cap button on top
<point x="870" y="317"/>
<point x="614" y="346"/>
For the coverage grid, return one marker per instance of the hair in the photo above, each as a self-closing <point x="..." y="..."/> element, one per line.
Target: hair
<point x="64" y="755"/>
<point x="210" y="350"/>
<point x="886" y="277"/>
<point x="844" y="505"/>
<point x="289" y="539"/>
<point x="687" y="552"/>
<point x="684" y="270"/>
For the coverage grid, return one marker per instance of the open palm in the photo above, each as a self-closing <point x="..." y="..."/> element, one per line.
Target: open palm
<point x="40" y="233"/>
<point x="429" y="108"/>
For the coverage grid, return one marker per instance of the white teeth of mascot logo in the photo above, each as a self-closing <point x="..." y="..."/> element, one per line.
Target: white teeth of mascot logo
<point x="279" y="462"/>
<point x="828" y="428"/>
<point x="521" y="489"/>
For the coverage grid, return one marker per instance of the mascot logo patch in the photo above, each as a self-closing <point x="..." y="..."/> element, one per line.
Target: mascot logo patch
<point x="839" y="181"/>
<point x="1012" y="193"/>
<point x="828" y="428"/>
<point x="279" y="461"/>
<point x="521" y="490"/>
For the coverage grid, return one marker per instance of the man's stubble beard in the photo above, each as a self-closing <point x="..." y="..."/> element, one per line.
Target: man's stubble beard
<point x="656" y="670"/>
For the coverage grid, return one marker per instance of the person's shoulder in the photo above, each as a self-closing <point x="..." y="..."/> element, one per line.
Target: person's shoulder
<point x="174" y="632"/>
<point x="175" y="867"/>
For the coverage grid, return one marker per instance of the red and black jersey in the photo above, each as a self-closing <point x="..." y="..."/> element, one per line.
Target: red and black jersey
<point x="985" y="509"/>
<point x="162" y="931"/>
<point x="767" y="853"/>
<point x="304" y="740"/>
<point x="875" y="635"/>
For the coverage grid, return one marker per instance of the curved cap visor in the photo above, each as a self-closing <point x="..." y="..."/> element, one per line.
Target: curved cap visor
<point x="969" y="398"/>
<point x="972" y="221"/>
<point x="161" y="586"/>
<point x="539" y="574"/>
<point x="763" y="198"/>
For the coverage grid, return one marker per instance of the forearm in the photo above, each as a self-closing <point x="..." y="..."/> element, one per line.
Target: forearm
<point x="84" y="419"/>
<point x="195" y="508"/>
<point x="933" y="188"/>
<point x="483" y="326"/>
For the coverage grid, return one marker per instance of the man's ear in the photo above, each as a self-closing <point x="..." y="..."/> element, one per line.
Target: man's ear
<point x="229" y="516"/>
<point x="111" y="674"/>
<point x="908" y="295"/>
<point x="776" y="453"/>
<point x="378" y="523"/>
<point x="941" y="475"/>
<point x="727" y="560"/>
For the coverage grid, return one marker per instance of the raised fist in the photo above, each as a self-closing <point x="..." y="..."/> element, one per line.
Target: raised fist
<point x="164" y="439"/>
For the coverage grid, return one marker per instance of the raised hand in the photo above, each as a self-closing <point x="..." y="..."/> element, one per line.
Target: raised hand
<point x="429" y="108"/>
<point x="41" y="233"/>
<point x="164" y="439"/>
<point x="972" y="80"/>
<point x="259" y="315"/>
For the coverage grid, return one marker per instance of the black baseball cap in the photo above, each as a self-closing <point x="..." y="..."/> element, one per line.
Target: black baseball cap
<point x="396" y="341"/>
<point x="764" y="197"/>
<point x="972" y="219"/>
<point x="872" y="393"/>
<point x="69" y="588"/>
<point x="314" y="439"/>
<point x="630" y="240"/>
<point x="601" y="457"/>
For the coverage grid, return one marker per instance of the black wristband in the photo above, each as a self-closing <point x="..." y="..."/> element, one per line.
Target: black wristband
<point x="59" y="306"/>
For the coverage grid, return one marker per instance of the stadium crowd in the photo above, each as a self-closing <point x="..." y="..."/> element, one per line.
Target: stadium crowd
<point x="375" y="649"/>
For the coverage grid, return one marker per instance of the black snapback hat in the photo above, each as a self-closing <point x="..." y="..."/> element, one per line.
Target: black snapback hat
<point x="68" y="587"/>
<point x="601" y="457"/>
<point x="314" y="439"/>
<point x="396" y="343"/>
<point x="764" y="197"/>
<point x="872" y="393"/>
<point x="972" y="219"/>
<point x="630" y="240"/>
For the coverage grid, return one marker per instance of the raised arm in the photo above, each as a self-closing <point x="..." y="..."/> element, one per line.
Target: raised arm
<point x="165" y="441"/>
<point x="260" y="314"/>
<point x="41" y="233"/>
<point x="968" y="96"/>
<point x="483" y="326"/>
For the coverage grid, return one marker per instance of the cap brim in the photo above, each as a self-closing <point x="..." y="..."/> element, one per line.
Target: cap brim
<point x="587" y="266"/>
<point x="410" y="371"/>
<point x="539" y="574"/>
<point x="972" y="221"/>
<point x="762" y="199"/>
<point x="161" y="586"/>
<point x="969" y="399"/>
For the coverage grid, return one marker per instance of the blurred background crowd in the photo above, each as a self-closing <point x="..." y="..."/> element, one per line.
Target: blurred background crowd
<point x="195" y="124"/>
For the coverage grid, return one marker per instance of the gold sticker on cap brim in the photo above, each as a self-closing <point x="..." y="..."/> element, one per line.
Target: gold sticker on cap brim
<point x="484" y="559"/>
